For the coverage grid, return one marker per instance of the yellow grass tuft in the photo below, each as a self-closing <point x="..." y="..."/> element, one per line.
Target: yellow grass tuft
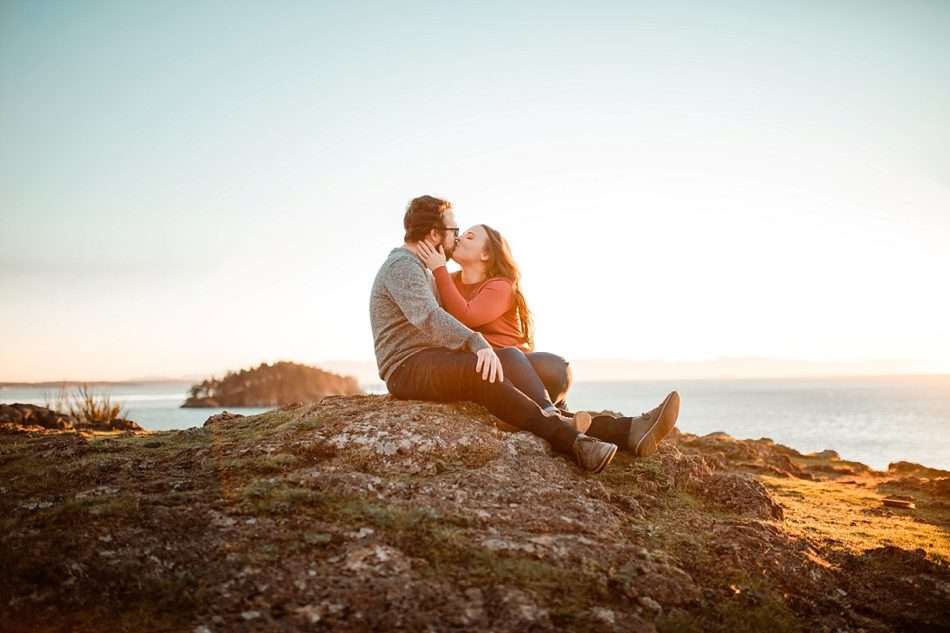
<point x="85" y="405"/>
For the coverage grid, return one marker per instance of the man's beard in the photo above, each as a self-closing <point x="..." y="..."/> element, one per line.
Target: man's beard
<point x="448" y="252"/>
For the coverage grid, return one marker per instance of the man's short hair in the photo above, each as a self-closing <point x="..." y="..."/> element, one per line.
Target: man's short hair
<point x="424" y="214"/>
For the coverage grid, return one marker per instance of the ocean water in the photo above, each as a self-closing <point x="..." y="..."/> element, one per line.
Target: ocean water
<point x="875" y="420"/>
<point x="155" y="406"/>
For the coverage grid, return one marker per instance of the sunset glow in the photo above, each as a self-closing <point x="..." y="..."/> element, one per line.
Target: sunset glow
<point x="183" y="196"/>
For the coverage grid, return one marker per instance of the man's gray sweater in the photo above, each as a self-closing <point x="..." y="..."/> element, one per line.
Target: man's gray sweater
<point x="406" y="317"/>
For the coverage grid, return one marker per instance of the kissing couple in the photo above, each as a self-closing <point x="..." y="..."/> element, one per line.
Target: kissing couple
<point x="469" y="336"/>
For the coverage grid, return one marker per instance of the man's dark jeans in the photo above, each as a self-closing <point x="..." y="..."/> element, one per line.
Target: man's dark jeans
<point x="443" y="375"/>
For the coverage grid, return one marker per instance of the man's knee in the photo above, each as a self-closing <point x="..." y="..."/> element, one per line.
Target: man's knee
<point x="469" y="382"/>
<point x="436" y="375"/>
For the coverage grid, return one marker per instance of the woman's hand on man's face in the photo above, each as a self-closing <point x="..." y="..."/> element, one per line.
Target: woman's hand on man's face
<point x="433" y="258"/>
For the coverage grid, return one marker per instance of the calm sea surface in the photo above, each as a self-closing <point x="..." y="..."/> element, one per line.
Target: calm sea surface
<point x="874" y="420"/>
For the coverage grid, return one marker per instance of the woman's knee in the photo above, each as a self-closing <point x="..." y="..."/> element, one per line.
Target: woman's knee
<point x="555" y="372"/>
<point x="550" y="364"/>
<point x="568" y="378"/>
<point x="513" y="359"/>
<point x="511" y="354"/>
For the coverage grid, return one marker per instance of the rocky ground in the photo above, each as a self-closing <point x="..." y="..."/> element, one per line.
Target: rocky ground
<point x="365" y="513"/>
<point x="31" y="418"/>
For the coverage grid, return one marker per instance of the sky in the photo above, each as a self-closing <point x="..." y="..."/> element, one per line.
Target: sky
<point x="198" y="186"/>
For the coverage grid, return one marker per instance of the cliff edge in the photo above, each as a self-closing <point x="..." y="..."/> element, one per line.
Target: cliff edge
<point x="367" y="513"/>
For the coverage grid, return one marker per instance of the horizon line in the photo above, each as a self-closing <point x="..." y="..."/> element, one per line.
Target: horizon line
<point x="915" y="374"/>
<point x="604" y="369"/>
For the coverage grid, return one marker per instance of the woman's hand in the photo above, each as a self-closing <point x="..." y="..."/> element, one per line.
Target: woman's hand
<point x="431" y="257"/>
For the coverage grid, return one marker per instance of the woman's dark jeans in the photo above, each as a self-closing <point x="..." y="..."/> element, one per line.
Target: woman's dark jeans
<point x="443" y="375"/>
<point x="543" y="377"/>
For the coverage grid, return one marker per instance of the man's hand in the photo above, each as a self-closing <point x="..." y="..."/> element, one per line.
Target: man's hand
<point x="489" y="365"/>
<point x="431" y="257"/>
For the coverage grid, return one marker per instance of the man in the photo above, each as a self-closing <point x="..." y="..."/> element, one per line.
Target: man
<point x="424" y="353"/>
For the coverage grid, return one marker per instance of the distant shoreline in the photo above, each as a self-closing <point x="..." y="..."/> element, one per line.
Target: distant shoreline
<point x="619" y="379"/>
<point x="793" y="412"/>
<point x="92" y="383"/>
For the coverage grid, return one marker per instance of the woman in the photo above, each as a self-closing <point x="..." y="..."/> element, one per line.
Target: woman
<point x="486" y="296"/>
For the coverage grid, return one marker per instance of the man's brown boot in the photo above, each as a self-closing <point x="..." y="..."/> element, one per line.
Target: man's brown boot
<point x="592" y="454"/>
<point x="649" y="428"/>
<point x="579" y="420"/>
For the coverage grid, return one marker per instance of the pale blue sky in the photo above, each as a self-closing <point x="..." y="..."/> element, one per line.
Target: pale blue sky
<point x="187" y="187"/>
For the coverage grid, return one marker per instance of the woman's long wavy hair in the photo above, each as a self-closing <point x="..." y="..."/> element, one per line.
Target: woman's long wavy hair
<point x="502" y="264"/>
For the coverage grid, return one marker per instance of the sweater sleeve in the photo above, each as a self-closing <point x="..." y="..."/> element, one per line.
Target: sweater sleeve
<point x="409" y="288"/>
<point x="493" y="299"/>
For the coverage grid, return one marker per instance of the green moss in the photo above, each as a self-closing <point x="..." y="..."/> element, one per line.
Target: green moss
<point x="74" y="512"/>
<point x="756" y="609"/>
<point x="744" y="604"/>
<point x="676" y="500"/>
<point x="121" y="617"/>
<point x="393" y="517"/>
<point x="271" y="420"/>
<point x="260" y="464"/>
<point x="626" y="475"/>
<point x="265" y="553"/>
<point x="680" y="621"/>
<point x="443" y="541"/>
<point x="274" y="497"/>
<point x="122" y="505"/>
<point x="30" y="475"/>
<point x="276" y="462"/>
<point x="314" y="451"/>
<point x="308" y="423"/>
<point x="168" y="441"/>
<point x="317" y="538"/>
<point x="289" y="421"/>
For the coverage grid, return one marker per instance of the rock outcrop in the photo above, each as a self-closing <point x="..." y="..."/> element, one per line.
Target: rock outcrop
<point x="31" y="418"/>
<point x="366" y="513"/>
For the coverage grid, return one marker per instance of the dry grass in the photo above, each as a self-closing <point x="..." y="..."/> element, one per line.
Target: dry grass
<point x="849" y="515"/>
<point x="85" y="404"/>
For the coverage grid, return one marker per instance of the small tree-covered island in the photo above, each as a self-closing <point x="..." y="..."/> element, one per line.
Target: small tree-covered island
<point x="268" y="385"/>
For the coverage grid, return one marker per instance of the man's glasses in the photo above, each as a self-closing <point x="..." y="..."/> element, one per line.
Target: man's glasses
<point x="454" y="229"/>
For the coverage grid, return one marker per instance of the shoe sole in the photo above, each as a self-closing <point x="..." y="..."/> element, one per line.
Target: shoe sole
<point x="606" y="460"/>
<point x="665" y="421"/>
